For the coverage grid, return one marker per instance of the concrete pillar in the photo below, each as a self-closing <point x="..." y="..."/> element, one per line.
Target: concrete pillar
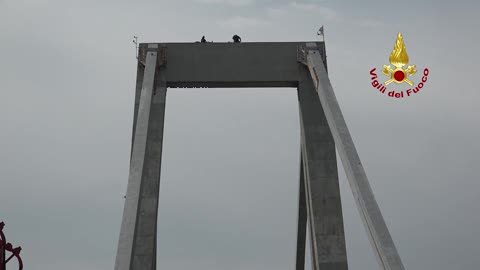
<point x="321" y="181"/>
<point x="302" y="221"/>
<point x="138" y="91"/>
<point x="137" y="243"/>
<point x="375" y="226"/>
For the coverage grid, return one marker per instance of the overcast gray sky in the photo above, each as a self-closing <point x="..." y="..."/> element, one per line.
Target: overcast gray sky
<point x="67" y="74"/>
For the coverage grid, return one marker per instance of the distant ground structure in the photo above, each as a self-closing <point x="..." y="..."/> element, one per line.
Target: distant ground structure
<point x="8" y="252"/>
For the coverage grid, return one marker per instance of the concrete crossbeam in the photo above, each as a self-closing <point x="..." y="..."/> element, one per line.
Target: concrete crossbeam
<point x="246" y="64"/>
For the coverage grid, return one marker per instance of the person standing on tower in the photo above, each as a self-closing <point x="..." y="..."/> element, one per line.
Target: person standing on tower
<point x="236" y="39"/>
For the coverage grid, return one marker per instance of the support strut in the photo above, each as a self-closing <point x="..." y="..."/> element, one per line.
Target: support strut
<point x="372" y="218"/>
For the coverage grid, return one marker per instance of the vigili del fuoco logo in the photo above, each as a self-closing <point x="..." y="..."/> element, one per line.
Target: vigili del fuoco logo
<point x="398" y="74"/>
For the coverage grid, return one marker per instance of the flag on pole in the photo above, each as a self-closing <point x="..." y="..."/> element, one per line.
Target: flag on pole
<point x="320" y="31"/>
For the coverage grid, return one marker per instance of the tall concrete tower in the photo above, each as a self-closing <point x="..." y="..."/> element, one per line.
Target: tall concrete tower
<point x="323" y="130"/>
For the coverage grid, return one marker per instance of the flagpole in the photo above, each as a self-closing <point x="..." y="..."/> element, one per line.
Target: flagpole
<point x="321" y="31"/>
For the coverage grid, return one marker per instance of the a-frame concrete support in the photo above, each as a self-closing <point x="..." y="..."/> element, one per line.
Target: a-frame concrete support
<point x="377" y="231"/>
<point x="301" y="220"/>
<point x="322" y="192"/>
<point x="138" y="233"/>
<point x="323" y="130"/>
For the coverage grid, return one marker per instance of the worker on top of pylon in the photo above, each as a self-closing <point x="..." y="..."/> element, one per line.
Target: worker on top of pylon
<point x="237" y="39"/>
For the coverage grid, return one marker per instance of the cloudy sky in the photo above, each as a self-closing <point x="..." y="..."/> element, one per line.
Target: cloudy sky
<point x="230" y="161"/>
